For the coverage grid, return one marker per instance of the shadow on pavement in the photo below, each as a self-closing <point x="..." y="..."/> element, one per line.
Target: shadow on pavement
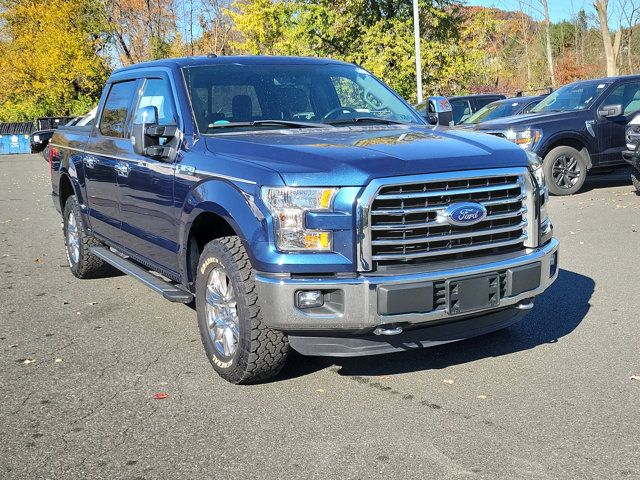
<point x="618" y="178"/>
<point x="556" y="314"/>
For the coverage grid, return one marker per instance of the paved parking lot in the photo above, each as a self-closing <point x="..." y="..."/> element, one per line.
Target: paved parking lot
<point x="80" y="361"/>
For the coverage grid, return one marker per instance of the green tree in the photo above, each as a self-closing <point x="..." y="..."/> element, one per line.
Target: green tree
<point x="51" y="57"/>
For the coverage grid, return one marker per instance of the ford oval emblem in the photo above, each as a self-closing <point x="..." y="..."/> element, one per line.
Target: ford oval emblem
<point x="465" y="213"/>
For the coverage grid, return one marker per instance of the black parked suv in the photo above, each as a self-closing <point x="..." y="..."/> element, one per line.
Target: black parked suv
<point x="579" y="127"/>
<point x="632" y="154"/>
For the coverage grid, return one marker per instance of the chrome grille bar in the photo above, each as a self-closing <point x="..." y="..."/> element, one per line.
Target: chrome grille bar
<point x="448" y="193"/>
<point x="452" y="236"/>
<point x="471" y="248"/>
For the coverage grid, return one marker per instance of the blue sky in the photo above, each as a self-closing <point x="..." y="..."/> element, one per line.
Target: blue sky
<point x="558" y="9"/>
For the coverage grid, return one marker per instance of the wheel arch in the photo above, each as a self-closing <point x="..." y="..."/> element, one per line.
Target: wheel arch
<point x="573" y="141"/>
<point x="217" y="209"/>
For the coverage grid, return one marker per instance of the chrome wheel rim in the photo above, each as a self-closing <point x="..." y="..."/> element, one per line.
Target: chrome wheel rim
<point x="566" y="171"/>
<point x="73" y="239"/>
<point x="222" y="313"/>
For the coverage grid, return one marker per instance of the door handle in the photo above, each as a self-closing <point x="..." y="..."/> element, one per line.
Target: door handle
<point x="122" y="169"/>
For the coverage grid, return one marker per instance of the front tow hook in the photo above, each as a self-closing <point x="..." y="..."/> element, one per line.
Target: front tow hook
<point x="388" y="331"/>
<point x="525" y="304"/>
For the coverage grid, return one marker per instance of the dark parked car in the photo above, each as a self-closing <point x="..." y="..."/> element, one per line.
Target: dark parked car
<point x="303" y="205"/>
<point x="632" y="154"/>
<point x="40" y="138"/>
<point x="579" y="127"/>
<point x="463" y="106"/>
<point x="503" y="108"/>
<point x="77" y="123"/>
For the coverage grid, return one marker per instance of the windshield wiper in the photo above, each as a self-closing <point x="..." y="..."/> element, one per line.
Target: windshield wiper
<point x="384" y="121"/>
<point x="257" y="123"/>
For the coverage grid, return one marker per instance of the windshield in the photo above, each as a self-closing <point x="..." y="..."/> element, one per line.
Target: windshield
<point x="492" y="111"/>
<point x="577" y="96"/>
<point x="252" y="97"/>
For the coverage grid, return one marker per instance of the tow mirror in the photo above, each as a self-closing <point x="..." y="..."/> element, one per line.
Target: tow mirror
<point x="610" y="111"/>
<point x="149" y="138"/>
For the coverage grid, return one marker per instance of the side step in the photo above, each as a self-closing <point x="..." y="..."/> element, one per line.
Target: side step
<point x="168" y="290"/>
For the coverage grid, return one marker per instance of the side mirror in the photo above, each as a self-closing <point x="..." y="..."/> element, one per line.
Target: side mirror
<point x="147" y="134"/>
<point x="145" y="117"/>
<point x="432" y="118"/>
<point x="610" y="111"/>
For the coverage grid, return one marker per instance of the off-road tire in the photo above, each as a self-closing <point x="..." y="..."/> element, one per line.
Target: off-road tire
<point x="261" y="352"/>
<point x="635" y="179"/>
<point x="88" y="265"/>
<point x="550" y="159"/>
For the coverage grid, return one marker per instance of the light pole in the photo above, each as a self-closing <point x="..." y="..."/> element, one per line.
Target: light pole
<point x="416" y="33"/>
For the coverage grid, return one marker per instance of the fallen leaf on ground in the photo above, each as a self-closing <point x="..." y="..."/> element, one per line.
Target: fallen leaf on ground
<point x="448" y="381"/>
<point x="160" y="396"/>
<point x="635" y="377"/>
<point x="58" y="360"/>
<point x="93" y="303"/>
<point x="14" y="345"/>
<point x="482" y="397"/>
<point x="27" y="361"/>
<point x="320" y="390"/>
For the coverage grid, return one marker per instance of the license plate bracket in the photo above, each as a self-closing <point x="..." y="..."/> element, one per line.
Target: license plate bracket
<point x="475" y="293"/>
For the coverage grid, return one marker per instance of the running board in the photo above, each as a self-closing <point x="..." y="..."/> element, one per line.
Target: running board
<point x="168" y="290"/>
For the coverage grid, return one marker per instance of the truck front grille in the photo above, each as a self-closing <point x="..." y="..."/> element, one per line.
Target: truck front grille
<point x="407" y="222"/>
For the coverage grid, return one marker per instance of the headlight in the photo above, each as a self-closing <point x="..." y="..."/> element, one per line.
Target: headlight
<point x="288" y="207"/>
<point x="535" y="166"/>
<point x="527" y="139"/>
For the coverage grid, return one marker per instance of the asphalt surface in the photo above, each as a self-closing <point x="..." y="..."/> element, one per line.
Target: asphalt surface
<point x="80" y="361"/>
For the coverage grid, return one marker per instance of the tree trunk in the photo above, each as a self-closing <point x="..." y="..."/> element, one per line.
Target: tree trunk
<point x="547" y="24"/>
<point x="611" y="50"/>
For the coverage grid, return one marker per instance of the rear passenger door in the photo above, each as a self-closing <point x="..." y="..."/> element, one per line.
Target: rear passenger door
<point x="105" y="148"/>
<point x="145" y="188"/>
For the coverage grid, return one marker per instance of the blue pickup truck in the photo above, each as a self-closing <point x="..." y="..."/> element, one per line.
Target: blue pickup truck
<point x="301" y="204"/>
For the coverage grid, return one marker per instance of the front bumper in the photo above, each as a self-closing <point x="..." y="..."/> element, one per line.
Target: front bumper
<point x="353" y="305"/>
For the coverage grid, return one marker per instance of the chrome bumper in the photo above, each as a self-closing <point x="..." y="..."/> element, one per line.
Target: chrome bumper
<point x="356" y="306"/>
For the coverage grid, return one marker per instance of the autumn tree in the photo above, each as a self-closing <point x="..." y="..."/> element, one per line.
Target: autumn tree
<point x="52" y="57"/>
<point x="611" y="47"/>
<point x="141" y="29"/>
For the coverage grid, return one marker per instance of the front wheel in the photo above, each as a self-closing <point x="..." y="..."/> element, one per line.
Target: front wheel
<point x="240" y="347"/>
<point x="565" y="170"/>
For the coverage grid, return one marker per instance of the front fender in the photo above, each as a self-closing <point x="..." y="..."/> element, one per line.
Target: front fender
<point x="242" y="208"/>
<point x="557" y="138"/>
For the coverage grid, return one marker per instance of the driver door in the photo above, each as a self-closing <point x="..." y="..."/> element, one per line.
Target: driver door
<point x="145" y="188"/>
<point x="611" y="130"/>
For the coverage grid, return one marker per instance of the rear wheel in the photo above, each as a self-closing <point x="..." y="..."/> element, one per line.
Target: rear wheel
<point x="240" y="347"/>
<point x="565" y="170"/>
<point x="77" y="241"/>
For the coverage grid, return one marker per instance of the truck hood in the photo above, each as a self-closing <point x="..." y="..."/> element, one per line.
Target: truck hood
<point x="527" y="120"/>
<point x="352" y="156"/>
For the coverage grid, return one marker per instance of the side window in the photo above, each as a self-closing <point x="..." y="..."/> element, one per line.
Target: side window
<point x="157" y="92"/>
<point x="114" y="115"/>
<point x="627" y="95"/>
<point x="461" y="110"/>
<point x="529" y="107"/>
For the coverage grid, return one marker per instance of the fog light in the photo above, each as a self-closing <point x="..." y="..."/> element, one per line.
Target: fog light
<point x="553" y="265"/>
<point x="309" y="299"/>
